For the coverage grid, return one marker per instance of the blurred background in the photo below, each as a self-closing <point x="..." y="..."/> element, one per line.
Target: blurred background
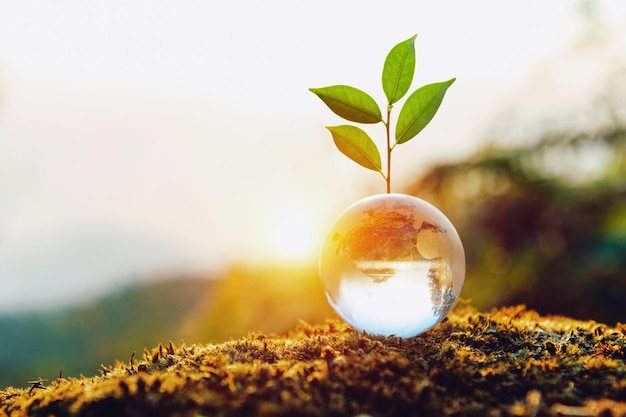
<point x="166" y="175"/>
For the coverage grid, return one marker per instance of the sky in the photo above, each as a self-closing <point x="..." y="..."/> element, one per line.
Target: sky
<point x="148" y="139"/>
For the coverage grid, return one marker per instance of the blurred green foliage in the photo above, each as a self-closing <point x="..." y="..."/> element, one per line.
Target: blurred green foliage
<point x="544" y="223"/>
<point x="271" y="299"/>
<point x="80" y="339"/>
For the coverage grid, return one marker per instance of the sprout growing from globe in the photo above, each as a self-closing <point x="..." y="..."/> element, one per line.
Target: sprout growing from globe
<point x="391" y="264"/>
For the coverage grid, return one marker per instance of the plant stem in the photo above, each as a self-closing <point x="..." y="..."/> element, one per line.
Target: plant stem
<point x="389" y="148"/>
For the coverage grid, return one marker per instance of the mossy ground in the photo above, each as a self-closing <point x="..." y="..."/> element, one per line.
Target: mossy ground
<point x="510" y="361"/>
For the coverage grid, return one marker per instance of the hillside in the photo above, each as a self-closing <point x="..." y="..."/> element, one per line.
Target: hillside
<point x="507" y="362"/>
<point x="271" y="299"/>
<point x="79" y="339"/>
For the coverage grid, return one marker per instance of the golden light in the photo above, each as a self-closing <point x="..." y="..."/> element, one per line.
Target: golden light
<point x="293" y="237"/>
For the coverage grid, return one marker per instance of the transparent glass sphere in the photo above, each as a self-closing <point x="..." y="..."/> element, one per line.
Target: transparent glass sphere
<point x="392" y="264"/>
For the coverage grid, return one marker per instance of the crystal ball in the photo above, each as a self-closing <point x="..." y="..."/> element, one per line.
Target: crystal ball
<point x="392" y="264"/>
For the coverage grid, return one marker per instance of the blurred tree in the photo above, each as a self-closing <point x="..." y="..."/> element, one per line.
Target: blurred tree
<point x="271" y="299"/>
<point x="543" y="224"/>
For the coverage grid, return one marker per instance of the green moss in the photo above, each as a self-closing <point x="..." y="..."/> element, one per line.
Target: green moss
<point x="507" y="362"/>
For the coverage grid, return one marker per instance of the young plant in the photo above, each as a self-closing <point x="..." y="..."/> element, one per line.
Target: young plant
<point x="357" y="106"/>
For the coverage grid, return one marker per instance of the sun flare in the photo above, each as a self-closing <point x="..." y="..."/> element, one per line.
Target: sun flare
<point x="293" y="237"/>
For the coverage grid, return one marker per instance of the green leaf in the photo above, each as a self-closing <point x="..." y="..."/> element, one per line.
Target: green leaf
<point x="350" y="103"/>
<point x="354" y="143"/>
<point x="419" y="109"/>
<point x="399" y="69"/>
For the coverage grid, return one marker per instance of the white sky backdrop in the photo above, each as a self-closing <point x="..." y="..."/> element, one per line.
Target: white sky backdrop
<point x="144" y="138"/>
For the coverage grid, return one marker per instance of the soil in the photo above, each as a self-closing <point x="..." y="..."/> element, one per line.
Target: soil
<point x="508" y="362"/>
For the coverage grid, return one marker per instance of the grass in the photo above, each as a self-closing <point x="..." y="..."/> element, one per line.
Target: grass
<point x="509" y="361"/>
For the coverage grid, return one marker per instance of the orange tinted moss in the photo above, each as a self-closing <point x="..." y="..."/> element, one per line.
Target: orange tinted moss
<point x="507" y="362"/>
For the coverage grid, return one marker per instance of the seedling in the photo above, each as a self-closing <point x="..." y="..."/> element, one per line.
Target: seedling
<point x="355" y="105"/>
<point x="383" y="272"/>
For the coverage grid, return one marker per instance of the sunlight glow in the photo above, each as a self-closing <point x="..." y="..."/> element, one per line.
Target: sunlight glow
<point x="293" y="237"/>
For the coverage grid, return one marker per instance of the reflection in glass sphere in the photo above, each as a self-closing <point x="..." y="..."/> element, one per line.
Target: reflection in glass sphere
<point x="392" y="264"/>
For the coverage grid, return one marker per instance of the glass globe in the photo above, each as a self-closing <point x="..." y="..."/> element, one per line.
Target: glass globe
<point x="392" y="264"/>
